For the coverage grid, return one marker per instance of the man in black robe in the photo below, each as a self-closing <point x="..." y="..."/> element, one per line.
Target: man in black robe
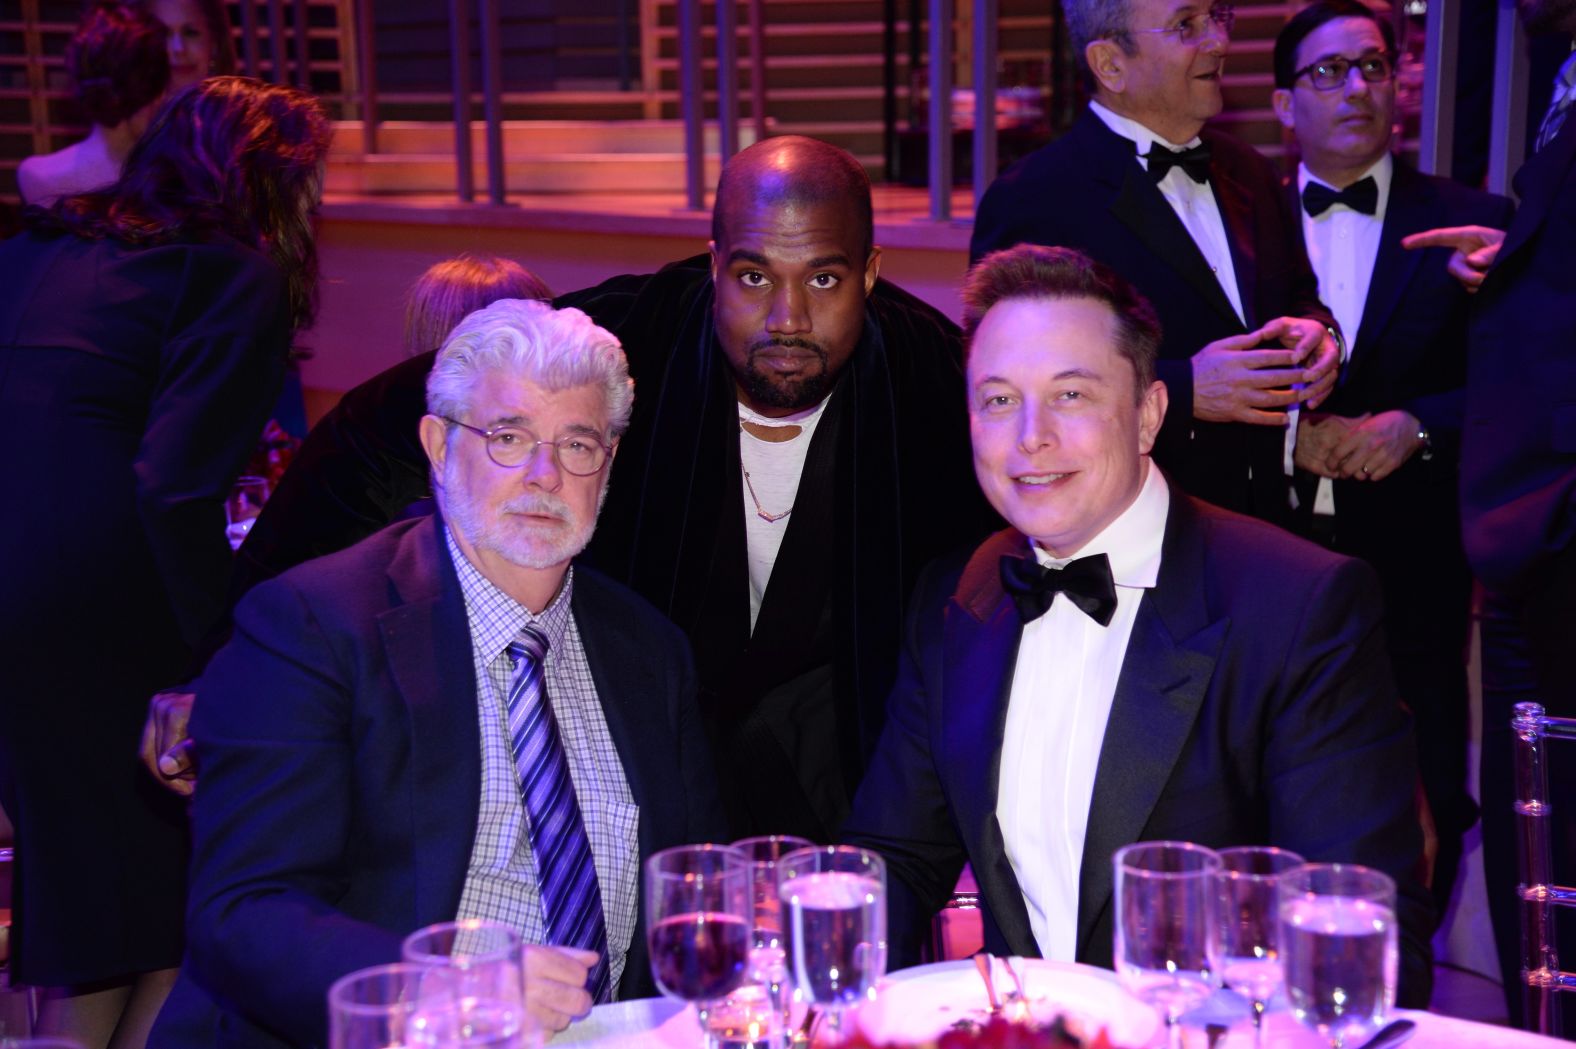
<point x="783" y="334"/>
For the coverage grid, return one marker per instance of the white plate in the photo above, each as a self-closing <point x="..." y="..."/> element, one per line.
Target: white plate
<point x="921" y="1003"/>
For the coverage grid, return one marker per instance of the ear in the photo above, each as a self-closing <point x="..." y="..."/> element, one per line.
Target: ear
<point x="1108" y="62"/>
<point x="1151" y="413"/>
<point x="435" y="442"/>
<point x="716" y="266"/>
<point x="1281" y="100"/>
<point x="872" y="270"/>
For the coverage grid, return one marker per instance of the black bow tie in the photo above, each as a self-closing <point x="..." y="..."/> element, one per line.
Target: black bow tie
<point x="1086" y="581"/>
<point x="1362" y="196"/>
<point x="1194" y="161"/>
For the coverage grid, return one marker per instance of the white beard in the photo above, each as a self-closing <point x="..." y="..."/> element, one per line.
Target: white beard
<point x="522" y="543"/>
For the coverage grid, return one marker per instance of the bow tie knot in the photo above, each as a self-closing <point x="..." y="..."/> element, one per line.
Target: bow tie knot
<point x="1086" y="582"/>
<point x="1193" y="160"/>
<point x="1361" y="196"/>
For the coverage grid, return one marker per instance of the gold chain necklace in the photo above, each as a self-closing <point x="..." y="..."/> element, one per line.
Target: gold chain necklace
<point x="760" y="511"/>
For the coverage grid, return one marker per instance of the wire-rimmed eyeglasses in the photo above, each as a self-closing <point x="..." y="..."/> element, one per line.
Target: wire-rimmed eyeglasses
<point x="514" y="446"/>
<point x="1194" y="27"/>
<point x="1331" y="71"/>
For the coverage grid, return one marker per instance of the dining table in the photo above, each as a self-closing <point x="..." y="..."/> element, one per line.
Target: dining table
<point x="660" y="1023"/>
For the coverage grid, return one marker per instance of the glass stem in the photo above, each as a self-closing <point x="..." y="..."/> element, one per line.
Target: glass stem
<point x="1258" y="1023"/>
<point x="1173" y="1031"/>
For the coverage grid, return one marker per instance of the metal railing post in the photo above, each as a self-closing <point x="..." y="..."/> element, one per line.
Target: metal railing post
<point x="249" y="35"/>
<point x="940" y="110"/>
<point x="366" y="45"/>
<point x="460" y="71"/>
<point x="1441" y="45"/>
<point x="758" y="68"/>
<point x="276" y="40"/>
<point x="492" y="99"/>
<point x="727" y="79"/>
<point x="1507" y="142"/>
<point x="985" y="12"/>
<point x="691" y="103"/>
<point x="303" y="48"/>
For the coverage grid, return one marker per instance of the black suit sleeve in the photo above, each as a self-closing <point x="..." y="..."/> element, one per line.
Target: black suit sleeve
<point x="1340" y="765"/>
<point x="272" y="824"/>
<point x="900" y="810"/>
<point x="218" y="374"/>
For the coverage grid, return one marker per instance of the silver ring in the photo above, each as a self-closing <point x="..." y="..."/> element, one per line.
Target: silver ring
<point x="1365" y="471"/>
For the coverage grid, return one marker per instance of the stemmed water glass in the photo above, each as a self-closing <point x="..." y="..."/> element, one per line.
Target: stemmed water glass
<point x="484" y="999"/>
<point x="834" y="926"/>
<point x="698" y="925"/>
<point x="759" y="1011"/>
<point x="1167" y="934"/>
<point x="372" y="1008"/>
<point x="1339" y="945"/>
<point x="1250" y="924"/>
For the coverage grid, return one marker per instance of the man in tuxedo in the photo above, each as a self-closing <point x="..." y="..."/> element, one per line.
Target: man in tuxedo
<point x="1518" y="469"/>
<point x="1205" y="676"/>
<point x="1377" y="466"/>
<point x="1198" y="222"/>
<point x="800" y="424"/>
<point x="447" y="720"/>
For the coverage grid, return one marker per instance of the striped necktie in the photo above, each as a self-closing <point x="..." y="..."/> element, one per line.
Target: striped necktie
<point x="1560" y="104"/>
<point x="565" y="874"/>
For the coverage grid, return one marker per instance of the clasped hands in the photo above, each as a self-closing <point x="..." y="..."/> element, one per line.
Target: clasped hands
<point x="1364" y="448"/>
<point x="1234" y="381"/>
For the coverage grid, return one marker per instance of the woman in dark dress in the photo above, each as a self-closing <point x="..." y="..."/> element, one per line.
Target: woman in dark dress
<point x="143" y="334"/>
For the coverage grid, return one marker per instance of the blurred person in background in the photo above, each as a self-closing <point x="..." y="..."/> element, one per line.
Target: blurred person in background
<point x="200" y="42"/>
<point x="119" y="70"/>
<point x="364" y="458"/>
<point x="145" y="328"/>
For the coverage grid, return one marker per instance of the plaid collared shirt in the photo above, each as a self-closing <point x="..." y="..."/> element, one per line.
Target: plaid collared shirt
<point x="500" y="880"/>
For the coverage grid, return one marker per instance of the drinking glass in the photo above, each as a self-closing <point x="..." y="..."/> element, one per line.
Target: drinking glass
<point x="834" y="925"/>
<point x="483" y="1003"/>
<point x="1338" y="945"/>
<point x="1167" y="935"/>
<point x="241" y="508"/>
<point x="757" y="1014"/>
<point x="698" y="925"/>
<point x="1250" y="924"/>
<point x="371" y="1008"/>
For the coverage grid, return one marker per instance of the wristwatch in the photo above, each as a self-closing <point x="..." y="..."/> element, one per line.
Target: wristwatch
<point x="1425" y="442"/>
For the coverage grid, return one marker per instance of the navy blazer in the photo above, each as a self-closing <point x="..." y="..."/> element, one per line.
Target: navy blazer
<point x="1410" y="352"/>
<point x="1087" y="191"/>
<point x="1254" y="706"/>
<point x="1518" y="456"/>
<point x="338" y="738"/>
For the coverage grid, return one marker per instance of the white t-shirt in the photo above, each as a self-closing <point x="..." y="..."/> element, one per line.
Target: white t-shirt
<point x="771" y="484"/>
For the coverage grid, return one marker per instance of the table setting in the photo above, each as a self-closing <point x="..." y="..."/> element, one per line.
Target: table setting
<point x="774" y="943"/>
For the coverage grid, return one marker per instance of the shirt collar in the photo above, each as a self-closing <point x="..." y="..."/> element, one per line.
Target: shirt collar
<point x="1382" y="172"/>
<point x="1132" y="542"/>
<point x="1141" y="137"/>
<point x="496" y="618"/>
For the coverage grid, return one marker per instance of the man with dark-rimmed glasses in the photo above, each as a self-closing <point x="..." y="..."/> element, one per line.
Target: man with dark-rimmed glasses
<point x="1196" y="220"/>
<point x="1377" y="464"/>
<point x="448" y="720"/>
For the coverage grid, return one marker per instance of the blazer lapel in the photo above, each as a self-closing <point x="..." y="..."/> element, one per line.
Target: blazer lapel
<point x="1406" y="211"/>
<point x="426" y="638"/>
<point x="1236" y="212"/>
<point x="1536" y="184"/>
<point x="980" y="650"/>
<point x="1141" y="207"/>
<point x="1165" y="674"/>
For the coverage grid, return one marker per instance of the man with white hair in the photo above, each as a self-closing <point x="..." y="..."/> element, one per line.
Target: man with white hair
<point x="447" y="720"/>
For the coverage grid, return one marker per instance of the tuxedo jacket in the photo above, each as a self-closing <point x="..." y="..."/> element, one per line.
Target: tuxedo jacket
<point x="1410" y="353"/>
<point x="1254" y="706"/>
<point x="1518" y="456"/>
<point x="1087" y="191"/>
<point x="341" y="757"/>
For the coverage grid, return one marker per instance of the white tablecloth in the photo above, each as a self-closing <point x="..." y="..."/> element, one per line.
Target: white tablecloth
<point x="656" y="1023"/>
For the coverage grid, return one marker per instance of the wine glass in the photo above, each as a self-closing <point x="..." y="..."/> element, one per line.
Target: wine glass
<point x="760" y="1009"/>
<point x="1338" y="945"/>
<point x="834" y="926"/>
<point x="698" y="925"/>
<point x="1167" y="935"/>
<point x="484" y="1000"/>
<point x="1250" y="924"/>
<point x="242" y="506"/>
<point x="371" y="1008"/>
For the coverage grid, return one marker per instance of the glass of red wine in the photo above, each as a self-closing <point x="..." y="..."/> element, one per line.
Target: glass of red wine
<point x="698" y="919"/>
